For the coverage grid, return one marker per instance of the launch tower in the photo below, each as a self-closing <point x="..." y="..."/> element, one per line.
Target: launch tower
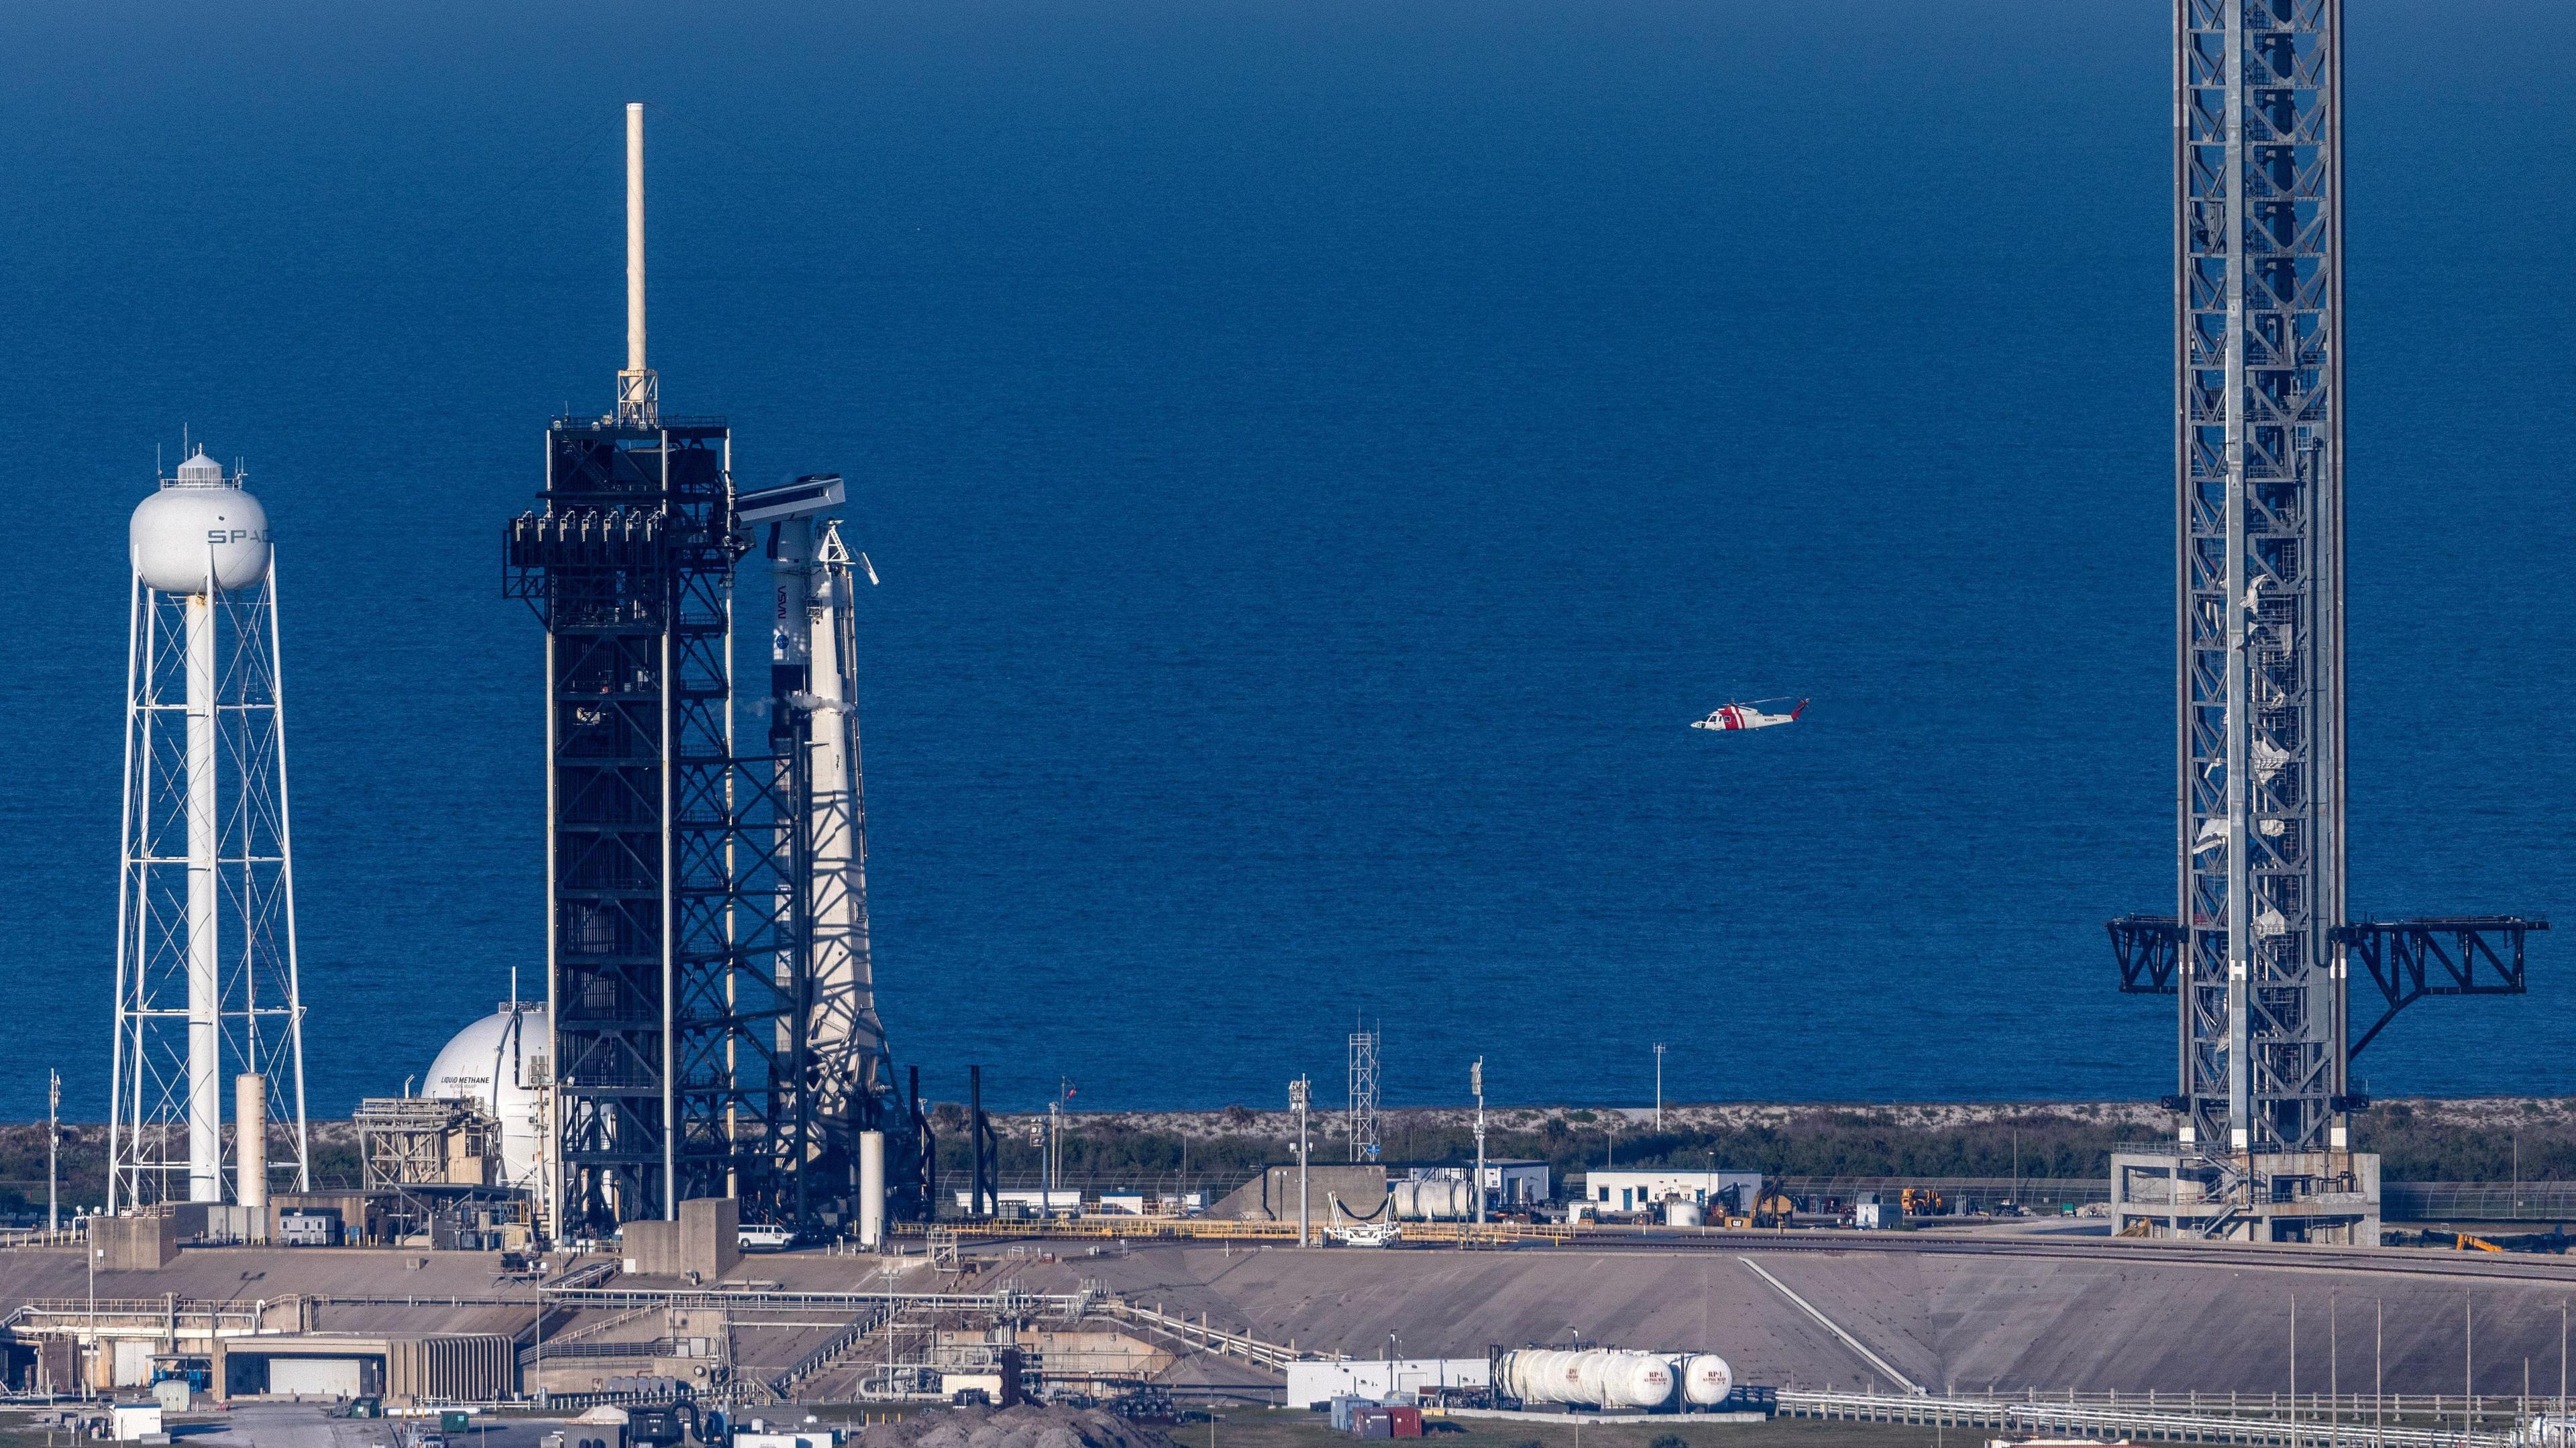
<point x="2261" y="943"/>
<point x="713" y="1030"/>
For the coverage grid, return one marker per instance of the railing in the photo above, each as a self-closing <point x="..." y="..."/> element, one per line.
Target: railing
<point x="2477" y="1201"/>
<point x="1985" y="1191"/>
<point x="1266" y="1355"/>
<point x="590" y="1276"/>
<point x="1122" y="1226"/>
<point x="1005" y="1303"/>
<point x="2265" y="1420"/>
<point x="828" y="1355"/>
<point x="658" y="1347"/>
<point x="13" y="1237"/>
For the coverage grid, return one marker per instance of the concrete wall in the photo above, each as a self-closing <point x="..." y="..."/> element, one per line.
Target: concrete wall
<point x="707" y="1240"/>
<point x="710" y="1236"/>
<point x="652" y="1247"/>
<point x="1272" y="1196"/>
<point x="134" y="1244"/>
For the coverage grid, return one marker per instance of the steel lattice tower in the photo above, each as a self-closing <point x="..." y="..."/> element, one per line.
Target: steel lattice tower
<point x="2260" y="946"/>
<point x="2259" y="492"/>
<point x="1364" y="1094"/>
<point x="670" y="955"/>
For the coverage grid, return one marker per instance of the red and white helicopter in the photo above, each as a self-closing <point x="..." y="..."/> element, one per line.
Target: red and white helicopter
<point x="1746" y="716"/>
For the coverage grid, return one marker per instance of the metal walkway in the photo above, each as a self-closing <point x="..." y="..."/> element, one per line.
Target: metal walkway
<point x="2307" y="1423"/>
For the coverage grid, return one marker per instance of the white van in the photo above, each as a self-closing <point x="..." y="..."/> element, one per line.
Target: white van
<point x="755" y="1238"/>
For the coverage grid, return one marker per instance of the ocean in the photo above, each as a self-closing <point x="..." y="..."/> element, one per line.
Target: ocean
<point x="1319" y="455"/>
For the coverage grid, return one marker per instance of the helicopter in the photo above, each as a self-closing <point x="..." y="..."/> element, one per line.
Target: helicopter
<point x="1746" y="716"/>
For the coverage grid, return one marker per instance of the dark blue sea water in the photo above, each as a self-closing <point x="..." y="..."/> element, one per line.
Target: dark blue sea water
<point x="1319" y="453"/>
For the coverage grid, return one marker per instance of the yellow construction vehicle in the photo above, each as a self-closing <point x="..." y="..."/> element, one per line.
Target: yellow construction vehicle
<point x="2468" y="1243"/>
<point x="1919" y="1202"/>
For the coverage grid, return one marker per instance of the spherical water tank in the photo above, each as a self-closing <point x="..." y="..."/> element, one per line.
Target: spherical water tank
<point x="200" y="523"/>
<point x="498" y="1063"/>
<point x="1707" y="1380"/>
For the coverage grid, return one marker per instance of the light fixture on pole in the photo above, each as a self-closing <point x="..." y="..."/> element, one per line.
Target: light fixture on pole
<point x="1476" y="1083"/>
<point x="1299" y="1092"/>
<point x="53" y="1144"/>
<point x="1659" y="1085"/>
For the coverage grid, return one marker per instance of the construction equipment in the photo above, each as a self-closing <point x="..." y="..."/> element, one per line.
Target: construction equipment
<point x="1919" y="1202"/>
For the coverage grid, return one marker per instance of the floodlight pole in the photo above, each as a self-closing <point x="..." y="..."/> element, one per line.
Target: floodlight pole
<point x="1298" y="1092"/>
<point x="1476" y="1082"/>
<point x="1659" y="1085"/>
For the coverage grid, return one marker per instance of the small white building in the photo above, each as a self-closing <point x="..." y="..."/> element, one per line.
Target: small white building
<point x="1314" y="1382"/>
<point x="1030" y="1202"/>
<point x="1509" y="1181"/>
<point x="128" y="1422"/>
<point x="1624" y="1190"/>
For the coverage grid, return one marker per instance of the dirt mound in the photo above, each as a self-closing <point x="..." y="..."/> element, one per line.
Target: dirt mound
<point x="1025" y="1426"/>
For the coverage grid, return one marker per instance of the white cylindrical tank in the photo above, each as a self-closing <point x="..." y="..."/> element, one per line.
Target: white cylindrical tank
<point x="1437" y="1200"/>
<point x="200" y="524"/>
<point x="1598" y="1377"/>
<point x="871" y="1189"/>
<point x="499" y="1063"/>
<point x="250" y="1147"/>
<point x="1636" y="1380"/>
<point x="1683" y="1214"/>
<point x="1706" y="1379"/>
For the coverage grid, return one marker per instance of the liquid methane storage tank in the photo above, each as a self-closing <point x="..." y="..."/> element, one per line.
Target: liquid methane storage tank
<point x="499" y="1064"/>
<point x="205" y="930"/>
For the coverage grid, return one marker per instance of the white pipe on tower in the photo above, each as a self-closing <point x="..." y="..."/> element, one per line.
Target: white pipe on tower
<point x="205" y="981"/>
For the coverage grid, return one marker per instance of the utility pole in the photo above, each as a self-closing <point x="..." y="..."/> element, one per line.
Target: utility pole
<point x="53" y="1152"/>
<point x="1298" y="1094"/>
<point x="1659" y="1086"/>
<point x="1476" y="1083"/>
<point x="889" y="1277"/>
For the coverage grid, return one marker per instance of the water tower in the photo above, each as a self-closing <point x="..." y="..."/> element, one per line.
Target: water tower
<point x="205" y="929"/>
